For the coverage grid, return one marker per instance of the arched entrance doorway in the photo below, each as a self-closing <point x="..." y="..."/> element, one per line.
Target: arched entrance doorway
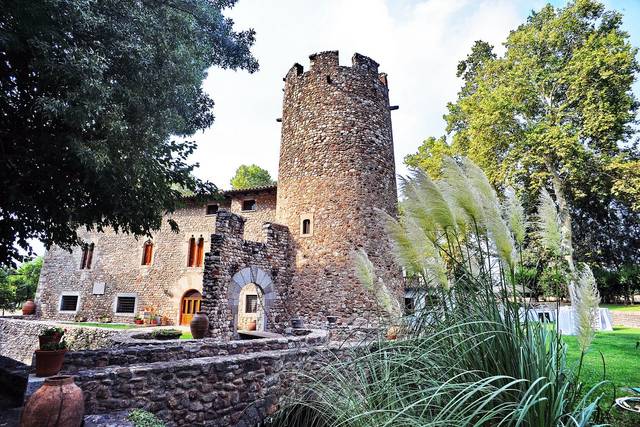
<point x="251" y="308"/>
<point x="254" y="287"/>
<point x="189" y="305"/>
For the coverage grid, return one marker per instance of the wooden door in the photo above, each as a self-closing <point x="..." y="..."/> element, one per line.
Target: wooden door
<point x="190" y="305"/>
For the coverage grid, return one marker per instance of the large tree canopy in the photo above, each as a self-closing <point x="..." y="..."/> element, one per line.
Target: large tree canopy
<point x="557" y="111"/>
<point x="250" y="176"/>
<point x="92" y="94"/>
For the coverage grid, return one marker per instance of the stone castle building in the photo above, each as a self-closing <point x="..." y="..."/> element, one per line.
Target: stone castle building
<point x="265" y="254"/>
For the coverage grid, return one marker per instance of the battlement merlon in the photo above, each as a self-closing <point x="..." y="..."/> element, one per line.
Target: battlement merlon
<point x="328" y="61"/>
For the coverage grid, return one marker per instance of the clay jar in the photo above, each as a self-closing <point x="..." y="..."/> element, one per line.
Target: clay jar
<point x="29" y="308"/>
<point x="252" y="325"/>
<point x="59" y="402"/>
<point x="199" y="325"/>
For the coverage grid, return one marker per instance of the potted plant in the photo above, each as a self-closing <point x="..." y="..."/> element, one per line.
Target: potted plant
<point x="50" y="335"/>
<point x="105" y="319"/>
<point x="138" y="320"/>
<point x="252" y="325"/>
<point x="49" y="358"/>
<point x="80" y="318"/>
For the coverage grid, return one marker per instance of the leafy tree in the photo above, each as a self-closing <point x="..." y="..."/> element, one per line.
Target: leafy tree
<point x="25" y="280"/>
<point x="7" y="292"/>
<point x="249" y="176"/>
<point x="92" y="93"/>
<point x="556" y="111"/>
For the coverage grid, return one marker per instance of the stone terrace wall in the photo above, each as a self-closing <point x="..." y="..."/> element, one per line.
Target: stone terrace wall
<point x="132" y="353"/>
<point x="19" y="338"/>
<point x="625" y="318"/>
<point x="212" y="391"/>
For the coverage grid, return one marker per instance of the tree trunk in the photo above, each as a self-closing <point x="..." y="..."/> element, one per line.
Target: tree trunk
<point x="565" y="214"/>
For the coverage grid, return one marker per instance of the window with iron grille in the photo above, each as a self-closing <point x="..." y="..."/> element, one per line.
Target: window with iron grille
<point x="126" y="305"/>
<point x="251" y="304"/>
<point x="69" y="303"/>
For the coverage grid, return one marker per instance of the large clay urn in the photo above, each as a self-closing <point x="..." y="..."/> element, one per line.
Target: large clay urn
<point x="58" y="403"/>
<point x="199" y="325"/>
<point x="29" y="308"/>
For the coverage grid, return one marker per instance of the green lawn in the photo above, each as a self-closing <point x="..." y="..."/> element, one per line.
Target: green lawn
<point x="186" y="336"/>
<point x="107" y="325"/>
<point x="620" y="307"/>
<point x="622" y="365"/>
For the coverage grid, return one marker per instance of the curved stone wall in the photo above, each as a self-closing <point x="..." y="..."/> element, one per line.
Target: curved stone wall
<point x="336" y="169"/>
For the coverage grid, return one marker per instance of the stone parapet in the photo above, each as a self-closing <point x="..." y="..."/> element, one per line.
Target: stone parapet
<point x="131" y="351"/>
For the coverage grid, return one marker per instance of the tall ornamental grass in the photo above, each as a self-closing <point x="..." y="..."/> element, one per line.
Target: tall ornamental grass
<point x="473" y="358"/>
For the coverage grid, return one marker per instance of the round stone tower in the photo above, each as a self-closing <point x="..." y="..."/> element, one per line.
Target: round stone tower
<point x="336" y="169"/>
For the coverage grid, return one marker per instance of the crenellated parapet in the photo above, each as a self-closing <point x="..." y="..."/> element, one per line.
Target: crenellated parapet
<point x="328" y="63"/>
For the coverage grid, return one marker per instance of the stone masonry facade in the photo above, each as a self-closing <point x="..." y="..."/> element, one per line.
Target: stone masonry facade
<point x="293" y="242"/>
<point x="117" y="263"/>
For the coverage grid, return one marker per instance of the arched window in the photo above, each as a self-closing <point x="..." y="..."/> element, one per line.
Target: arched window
<point x="87" y="256"/>
<point x="306" y="226"/>
<point x="200" y="252"/>
<point x="147" y="253"/>
<point x="192" y="252"/>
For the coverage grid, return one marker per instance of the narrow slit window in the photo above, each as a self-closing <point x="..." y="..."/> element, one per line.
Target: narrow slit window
<point x="191" y="260"/>
<point x="126" y="305"/>
<point x="249" y="205"/>
<point x="251" y="304"/>
<point x="69" y="303"/>
<point x="306" y="226"/>
<point x="147" y="253"/>
<point x="200" y="252"/>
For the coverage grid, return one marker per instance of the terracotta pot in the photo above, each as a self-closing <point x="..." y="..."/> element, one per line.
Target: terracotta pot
<point x="49" y="339"/>
<point x="139" y="321"/>
<point x="199" y="325"/>
<point x="392" y="333"/>
<point x="29" y="307"/>
<point x="59" y="402"/>
<point x="252" y="325"/>
<point x="49" y="362"/>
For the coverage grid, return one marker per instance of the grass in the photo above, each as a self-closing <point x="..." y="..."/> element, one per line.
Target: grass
<point x="107" y="325"/>
<point x="186" y="336"/>
<point x="622" y="360"/>
<point x="621" y="307"/>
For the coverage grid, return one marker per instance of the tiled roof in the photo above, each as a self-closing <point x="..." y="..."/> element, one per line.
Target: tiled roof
<point x="251" y="190"/>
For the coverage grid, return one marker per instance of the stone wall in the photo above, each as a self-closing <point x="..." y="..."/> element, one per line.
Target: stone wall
<point x="130" y="351"/>
<point x="234" y="262"/>
<point x="235" y="390"/>
<point x="625" y="318"/>
<point x="19" y="338"/>
<point x="336" y="169"/>
<point x="117" y="264"/>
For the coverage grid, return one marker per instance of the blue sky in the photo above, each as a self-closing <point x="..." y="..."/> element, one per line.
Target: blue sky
<point x="418" y="43"/>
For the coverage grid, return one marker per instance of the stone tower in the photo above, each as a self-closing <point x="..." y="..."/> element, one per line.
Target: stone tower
<point x="336" y="168"/>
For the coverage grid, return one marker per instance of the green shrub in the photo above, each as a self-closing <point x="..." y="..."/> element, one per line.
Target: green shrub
<point x="166" y="334"/>
<point x="142" y="418"/>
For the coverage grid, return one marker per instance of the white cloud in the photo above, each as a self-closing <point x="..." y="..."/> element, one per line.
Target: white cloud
<point x="418" y="43"/>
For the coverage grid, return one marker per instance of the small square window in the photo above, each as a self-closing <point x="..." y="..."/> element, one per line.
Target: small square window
<point x="69" y="303"/>
<point x="409" y="305"/>
<point x="126" y="305"/>
<point x="212" y="209"/>
<point x="251" y="304"/>
<point x="248" y="205"/>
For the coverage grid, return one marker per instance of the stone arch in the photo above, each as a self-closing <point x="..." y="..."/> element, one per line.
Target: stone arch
<point x="262" y="280"/>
